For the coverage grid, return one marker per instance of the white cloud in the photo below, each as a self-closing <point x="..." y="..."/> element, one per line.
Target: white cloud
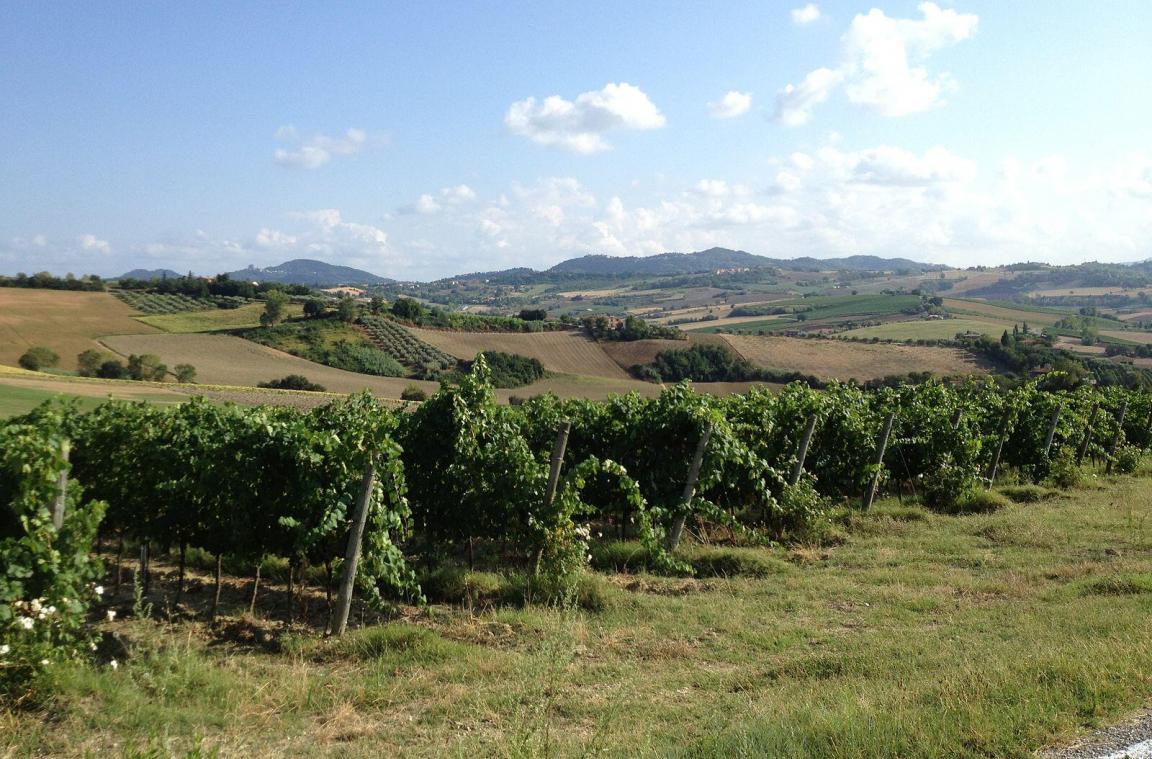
<point x="318" y="150"/>
<point x="887" y="165"/>
<point x="794" y="103"/>
<point x="883" y="65"/>
<point x="580" y="125"/>
<point x="94" y="244"/>
<point x="732" y="105"/>
<point x="805" y="15"/>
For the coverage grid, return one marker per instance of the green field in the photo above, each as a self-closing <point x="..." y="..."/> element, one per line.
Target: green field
<point x="216" y="320"/>
<point x="938" y="329"/>
<point x="918" y="635"/>
<point x="16" y="400"/>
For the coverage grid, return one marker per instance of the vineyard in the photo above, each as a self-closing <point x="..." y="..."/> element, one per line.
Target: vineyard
<point x="460" y="480"/>
<point x="159" y="303"/>
<point x="402" y="345"/>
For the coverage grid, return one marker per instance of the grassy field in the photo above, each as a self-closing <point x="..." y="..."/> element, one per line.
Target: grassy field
<point x="939" y="329"/>
<point x="916" y="635"/>
<point x="245" y="317"/>
<point x="67" y="322"/>
<point x="229" y="360"/>
<point x="843" y="360"/>
<point x="566" y="352"/>
<point x="1008" y="314"/>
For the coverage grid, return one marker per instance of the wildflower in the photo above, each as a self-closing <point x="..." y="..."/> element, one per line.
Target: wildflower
<point x="111" y="615"/>
<point x="36" y="606"/>
<point x="114" y="664"/>
<point x="43" y="662"/>
<point x="4" y="649"/>
<point x="27" y="622"/>
<point x="92" y="646"/>
<point x="99" y="590"/>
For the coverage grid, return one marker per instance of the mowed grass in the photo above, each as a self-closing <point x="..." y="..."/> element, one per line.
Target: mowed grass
<point x="918" y="635"/>
<point x="67" y="322"/>
<point x="935" y="329"/>
<point x="215" y="320"/>
<point x="836" y="359"/>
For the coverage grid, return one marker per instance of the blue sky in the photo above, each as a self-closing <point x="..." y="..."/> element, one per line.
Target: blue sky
<point x="421" y="140"/>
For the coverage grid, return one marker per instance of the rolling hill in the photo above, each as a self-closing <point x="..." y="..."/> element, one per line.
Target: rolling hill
<point x="723" y="258"/>
<point x="306" y="271"/>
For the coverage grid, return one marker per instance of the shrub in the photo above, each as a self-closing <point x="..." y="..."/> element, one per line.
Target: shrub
<point x="977" y="501"/>
<point x="112" y="369"/>
<point x="185" y="372"/>
<point x="413" y="393"/>
<point x="511" y="370"/>
<point x="88" y="363"/>
<point x="39" y="357"/>
<point x="1126" y="459"/>
<point x="1064" y="471"/>
<point x="293" y="382"/>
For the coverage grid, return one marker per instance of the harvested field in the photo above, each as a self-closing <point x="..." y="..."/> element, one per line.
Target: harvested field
<point x="1057" y="292"/>
<point x="228" y="360"/>
<point x="843" y="360"/>
<point x="934" y="329"/>
<point x="979" y="280"/>
<point x="216" y="319"/>
<point x="1128" y="336"/>
<point x="1073" y="344"/>
<point x="564" y="352"/>
<point x="629" y="353"/>
<point x="67" y="322"/>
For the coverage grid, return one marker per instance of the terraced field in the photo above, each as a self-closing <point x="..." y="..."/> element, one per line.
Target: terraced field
<point x="564" y="352"/>
<point x="65" y="321"/>
<point x="836" y="359"/>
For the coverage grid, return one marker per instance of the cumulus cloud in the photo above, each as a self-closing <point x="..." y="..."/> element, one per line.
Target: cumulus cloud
<point x="317" y="150"/>
<point x="883" y="65"/>
<point x="732" y="105"/>
<point x="430" y="203"/>
<point x="806" y="14"/>
<point x="580" y="125"/>
<point x="94" y="244"/>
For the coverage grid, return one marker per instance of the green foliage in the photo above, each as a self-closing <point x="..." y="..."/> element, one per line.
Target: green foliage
<point x="274" y="304"/>
<point x="413" y="393"/>
<point x="330" y="342"/>
<point x="293" y="382"/>
<point x="185" y="372"/>
<point x="49" y="574"/>
<point x="146" y="367"/>
<point x="1025" y="493"/>
<point x="38" y="357"/>
<point x="628" y="329"/>
<point x="511" y="370"/>
<point x="1126" y="460"/>
<point x="402" y="345"/>
<point x="88" y="362"/>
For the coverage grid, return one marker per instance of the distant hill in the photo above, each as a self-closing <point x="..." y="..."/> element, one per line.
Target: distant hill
<point x="304" y="271"/>
<point x="150" y="274"/>
<point x="723" y="258"/>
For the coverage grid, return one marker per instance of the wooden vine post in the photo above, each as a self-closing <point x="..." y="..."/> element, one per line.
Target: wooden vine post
<point x="558" y="449"/>
<point x="881" y="449"/>
<point x="677" y="530"/>
<point x="802" y="451"/>
<point x="352" y="554"/>
<point x="1116" y="437"/>
<point x="994" y="466"/>
<point x="1087" y="434"/>
<point x="1055" y="420"/>
<point x="61" y="500"/>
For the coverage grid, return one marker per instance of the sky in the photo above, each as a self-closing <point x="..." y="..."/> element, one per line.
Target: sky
<point x="421" y="140"/>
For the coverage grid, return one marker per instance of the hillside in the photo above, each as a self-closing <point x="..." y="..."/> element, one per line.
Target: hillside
<point x="723" y="258"/>
<point x="147" y="274"/>
<point x="306" y="271"/>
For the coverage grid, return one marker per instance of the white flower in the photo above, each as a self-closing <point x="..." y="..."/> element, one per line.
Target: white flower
<point x="92" y="646"/>
<point x="4" y="649"/>
<point x="36" y="606"/>
<point x="28" y="622"/>
<point x="114" y="664"/>
<point x="43" y="662"/>
<point x="99" y="590"/>
<point x="111" y="615"/>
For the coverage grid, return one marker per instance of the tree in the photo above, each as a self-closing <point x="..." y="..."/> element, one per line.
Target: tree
<point x="146" y="367"/>
<point x="112" y="369"/>
<point x="185" y="373"/>
<point x="346" y="310"/>
<point x="38" y="357"/>
<point x="533" y="314"/>
<point x="314" y="307"/>
<point x="1005" y="339"/>
<point x="407" y="309"/>
<point x="274" y="303"/>
<point x="376" y="305"/>
<point x="88" y="362"/>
